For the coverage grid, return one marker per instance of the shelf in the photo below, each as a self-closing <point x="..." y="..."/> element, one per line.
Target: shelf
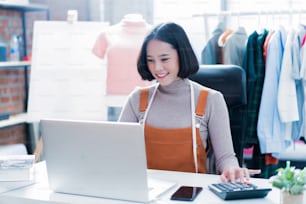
<point x="14" y="120"/>
<point x="17" y="64"/>
<point x="24" y="7"/>
<point x="19" y="118"/>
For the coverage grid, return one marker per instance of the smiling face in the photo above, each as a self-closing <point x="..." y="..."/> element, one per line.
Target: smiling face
<point x="163" y="61"/>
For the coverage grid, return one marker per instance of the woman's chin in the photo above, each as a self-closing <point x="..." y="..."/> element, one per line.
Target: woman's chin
<point x="166" y="81"/>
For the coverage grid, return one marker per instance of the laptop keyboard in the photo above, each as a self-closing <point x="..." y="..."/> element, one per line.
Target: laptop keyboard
<point x="232" y="191"/>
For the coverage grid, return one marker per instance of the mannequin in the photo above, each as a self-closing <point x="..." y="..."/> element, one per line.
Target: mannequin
<point x="120" y="45"/>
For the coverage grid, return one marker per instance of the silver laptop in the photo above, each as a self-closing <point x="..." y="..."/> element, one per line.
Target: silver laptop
<point x="99" y="158"/>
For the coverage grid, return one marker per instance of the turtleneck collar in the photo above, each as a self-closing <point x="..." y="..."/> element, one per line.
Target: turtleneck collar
<point x="175" y="86"/>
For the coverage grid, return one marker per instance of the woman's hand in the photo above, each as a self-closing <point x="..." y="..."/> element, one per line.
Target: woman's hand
<point x="234" y="174"/>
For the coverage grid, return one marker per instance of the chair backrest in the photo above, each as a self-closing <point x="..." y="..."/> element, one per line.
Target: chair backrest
<point x="230" y="80"/>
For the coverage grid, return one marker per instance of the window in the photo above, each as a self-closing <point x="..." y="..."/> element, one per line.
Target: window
<point x="252" y="15"/>
<point x="182" y="11"/>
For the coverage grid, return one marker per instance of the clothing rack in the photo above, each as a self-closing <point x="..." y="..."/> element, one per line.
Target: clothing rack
<point x="252" y="13"/>
<point x="258" y="159"/>
<point x="224" y="14"/>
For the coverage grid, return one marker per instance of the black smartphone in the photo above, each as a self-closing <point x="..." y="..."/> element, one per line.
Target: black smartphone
<point x="186" y="193"/>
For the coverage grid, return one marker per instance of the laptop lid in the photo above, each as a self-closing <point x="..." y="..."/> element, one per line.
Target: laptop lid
<point x="97" y="158"/>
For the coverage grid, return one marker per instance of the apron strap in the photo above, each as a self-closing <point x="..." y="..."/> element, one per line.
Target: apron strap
<point x="144" y="95"/>
<point x="196" y="137"/>
<point x="200" y="109"/>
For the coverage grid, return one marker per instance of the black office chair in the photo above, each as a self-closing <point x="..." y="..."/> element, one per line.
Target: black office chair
<point x="230" y="80"/>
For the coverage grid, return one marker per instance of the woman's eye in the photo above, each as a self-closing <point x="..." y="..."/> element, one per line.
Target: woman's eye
<point x="164" y="59"/>
<point x="149" y="60"/>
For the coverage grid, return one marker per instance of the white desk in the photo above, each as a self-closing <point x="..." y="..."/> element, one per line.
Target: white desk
<point x="39" y="193"/>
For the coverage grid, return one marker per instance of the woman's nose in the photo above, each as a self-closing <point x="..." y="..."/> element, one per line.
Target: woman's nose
<point x="158" y="66"/>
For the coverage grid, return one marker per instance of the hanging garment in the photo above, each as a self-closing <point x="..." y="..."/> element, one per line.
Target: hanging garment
<point x="303" y="75"/>
<point x="221" y="41"/>
<point x="211" y="53"/>
<point x="266" y="43"/>
<point x="270" y="128"/>
<point x="255" y="71"/>
<point x="287" y="102"/>
<point x="234" y="46"/>
<point x="296" y="69"/>
<point x="287" y="96"/>
<point x="249" y="67"/>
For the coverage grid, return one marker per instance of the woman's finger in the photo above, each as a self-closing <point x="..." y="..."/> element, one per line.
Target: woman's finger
<point x="254" y="171"/>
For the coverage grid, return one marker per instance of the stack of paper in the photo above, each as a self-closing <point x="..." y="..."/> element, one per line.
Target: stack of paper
<point x="16" y="167"/>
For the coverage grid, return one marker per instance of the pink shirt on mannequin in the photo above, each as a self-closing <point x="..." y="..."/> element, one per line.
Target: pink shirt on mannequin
<point x="121" y="45"/>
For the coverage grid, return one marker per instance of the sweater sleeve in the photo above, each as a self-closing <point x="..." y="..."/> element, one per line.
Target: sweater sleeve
<point x="130" y="111"/>
<point x="217" y="118"/>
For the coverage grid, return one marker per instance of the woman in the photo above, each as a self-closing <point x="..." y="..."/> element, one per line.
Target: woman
<point x="179" y="115"/>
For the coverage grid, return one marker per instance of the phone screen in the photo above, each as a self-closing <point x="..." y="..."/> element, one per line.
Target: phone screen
<point x="186" y="193"/>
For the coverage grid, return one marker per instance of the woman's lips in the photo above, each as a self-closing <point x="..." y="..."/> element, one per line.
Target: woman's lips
<point x="161" y="75"/>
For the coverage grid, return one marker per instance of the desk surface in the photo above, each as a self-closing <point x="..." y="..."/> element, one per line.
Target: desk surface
<point x="40" y="193"/>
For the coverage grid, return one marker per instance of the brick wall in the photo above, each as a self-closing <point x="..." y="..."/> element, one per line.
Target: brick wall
<point x="12" y="135"/>
<point x="12" y="81"/>
<point x="12" y="91"/>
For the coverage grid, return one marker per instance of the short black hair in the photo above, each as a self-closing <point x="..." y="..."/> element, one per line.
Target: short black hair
<point x="175" y="35"/>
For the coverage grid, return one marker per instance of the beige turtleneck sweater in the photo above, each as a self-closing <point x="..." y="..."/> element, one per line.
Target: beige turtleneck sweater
<point x="171" y="108"/>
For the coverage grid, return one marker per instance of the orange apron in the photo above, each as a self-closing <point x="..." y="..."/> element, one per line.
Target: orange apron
<point x="172" y="149"/>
